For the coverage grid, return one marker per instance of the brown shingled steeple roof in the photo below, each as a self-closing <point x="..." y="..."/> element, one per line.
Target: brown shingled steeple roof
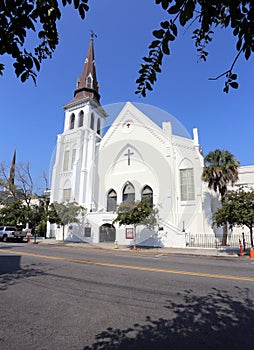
<point x="87" y="85"/>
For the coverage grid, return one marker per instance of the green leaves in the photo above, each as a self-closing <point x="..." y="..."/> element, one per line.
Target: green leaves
<point x="165" y="48"/>
<point x="202" y="39"/>
<point x="164" y="3"/>
<point x="1" y="68"/>
<point x="237" y="209"/>
<point x="158" y="33"/>
<point x="65" y="213"/>
<point x="153" y="62"/>
<point x="24" y="66"/>
<point x="208" y="15"/>
<point x="13" y="213"/>
<point x="230" y="82"/>
<point x="220" y="170"/>
<point x="133" y="213"/>
<point x="80" y="5"/>
<point x="17" y="18"/>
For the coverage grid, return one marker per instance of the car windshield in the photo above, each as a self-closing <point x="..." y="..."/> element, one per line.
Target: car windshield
<point x="10" y="228"/>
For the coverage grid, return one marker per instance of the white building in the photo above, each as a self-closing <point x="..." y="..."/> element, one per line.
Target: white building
<point x="133" y="159"/>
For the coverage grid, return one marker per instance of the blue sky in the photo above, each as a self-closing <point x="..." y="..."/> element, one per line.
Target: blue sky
<point x="31" y="117"/>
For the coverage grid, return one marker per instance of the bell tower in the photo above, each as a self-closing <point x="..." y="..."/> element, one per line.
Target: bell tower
<point x="87" y="84"/>
<point x="74" y="171"/>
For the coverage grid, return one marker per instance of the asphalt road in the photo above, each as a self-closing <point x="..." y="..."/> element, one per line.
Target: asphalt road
<point x="55" y="297"/>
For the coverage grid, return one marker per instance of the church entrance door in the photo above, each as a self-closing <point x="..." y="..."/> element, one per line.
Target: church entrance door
<point x="107" y="233"/>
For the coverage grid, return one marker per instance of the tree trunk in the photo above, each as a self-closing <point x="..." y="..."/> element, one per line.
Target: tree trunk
<point x="225" y="235"/>
<point x="63" y="233"/>
<point x="134" y="238"/>
<point x="225" y="226"/>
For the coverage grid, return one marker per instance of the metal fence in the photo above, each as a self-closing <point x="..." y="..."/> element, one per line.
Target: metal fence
<point x="211" y="241"/>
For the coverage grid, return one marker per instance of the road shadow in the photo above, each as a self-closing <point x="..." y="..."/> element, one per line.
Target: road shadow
<point x="11" y="271"/>
<point x="9" y="264"/>
<point x="217" y="320"/>
<point x="142" y="247"/>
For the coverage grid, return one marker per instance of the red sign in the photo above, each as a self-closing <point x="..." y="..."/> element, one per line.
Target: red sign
<point x="129" y="233"/>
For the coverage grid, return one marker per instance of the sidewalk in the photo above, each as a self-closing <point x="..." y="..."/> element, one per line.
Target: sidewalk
<point x="213" y="252"/>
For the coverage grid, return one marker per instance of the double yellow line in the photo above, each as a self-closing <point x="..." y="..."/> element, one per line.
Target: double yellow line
<point x="138" y="268"/>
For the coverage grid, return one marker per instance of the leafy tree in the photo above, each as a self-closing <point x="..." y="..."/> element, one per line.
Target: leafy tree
<point x="13" y="213"/>
<point x="17" y="18"/>
<point x="206" y="16"/>
<point x="64" y="214"/>
<point x="220" y="170"/>
<point x="136" y="213"/>
<point x="21" y="190"/>
<point x="39" y="216"/>
<point x="43" y="211"/>
<point x="237" y="209"/>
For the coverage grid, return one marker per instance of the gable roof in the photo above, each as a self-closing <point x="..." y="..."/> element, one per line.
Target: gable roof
<point x="155" y="114"/>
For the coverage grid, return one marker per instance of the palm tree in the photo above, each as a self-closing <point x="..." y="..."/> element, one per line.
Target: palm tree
<point x="220" y="170"/>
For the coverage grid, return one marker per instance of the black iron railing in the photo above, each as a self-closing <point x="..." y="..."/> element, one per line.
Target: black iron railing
<point x="201" y="240"/>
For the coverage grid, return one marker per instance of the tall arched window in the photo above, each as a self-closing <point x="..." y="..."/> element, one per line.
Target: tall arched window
<point x="111" y="200"/>
<point x="147" y="193"/>
<point x="92" y="121"/>
<point x="128" y="193"/>
<point x="89" y="82"/>
<point x="66" y="192"/>
<point x="187" y="180"/>
<point x="72" y="121"/>
<point x="98" y="126"/>
<point x="187" y="184"/>
<point x="81" y="119"/>
<point x="66" y="160"/>
<point x="66" y="195"/>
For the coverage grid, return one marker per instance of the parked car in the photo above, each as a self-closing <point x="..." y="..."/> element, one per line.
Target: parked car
<point x="10" y="233"/>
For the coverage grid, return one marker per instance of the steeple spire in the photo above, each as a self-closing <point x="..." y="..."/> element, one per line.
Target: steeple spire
<point x="87" y="85"/>
<point x="12" y="170"/>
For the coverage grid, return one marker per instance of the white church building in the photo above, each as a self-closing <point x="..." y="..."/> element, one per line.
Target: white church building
<point x="100" y="166"/>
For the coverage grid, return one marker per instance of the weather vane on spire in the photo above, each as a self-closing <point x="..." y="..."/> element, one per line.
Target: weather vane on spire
<point x="92" y="35"/>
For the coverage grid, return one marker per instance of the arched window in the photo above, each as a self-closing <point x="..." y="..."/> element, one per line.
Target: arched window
<point x="187" y="184"/>
<point x="111" y="201"/>
<point x="66" y="192"/>
<point x="66" y="160"/>
<point x="66" y="195"/>
<point x="128" y="193"/>
<point x="187" y="180"/>
<point x="72" y="121"/>
<point x="147" y="193"/>
<point x="89" y="82"/>
<point x="98" y="126"/>
<point x="81" y="119"/>
<point x="92" y="121"/>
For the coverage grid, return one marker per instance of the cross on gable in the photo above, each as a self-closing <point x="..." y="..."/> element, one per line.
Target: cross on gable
<point x="129" y="154"/>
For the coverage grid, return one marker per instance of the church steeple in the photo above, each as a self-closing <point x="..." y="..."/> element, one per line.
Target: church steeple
<point x="12" y="170"/>
<point x="87" y="85"/>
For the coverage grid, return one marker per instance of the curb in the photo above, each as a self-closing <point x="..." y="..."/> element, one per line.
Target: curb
<point x="150" y="251"/>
